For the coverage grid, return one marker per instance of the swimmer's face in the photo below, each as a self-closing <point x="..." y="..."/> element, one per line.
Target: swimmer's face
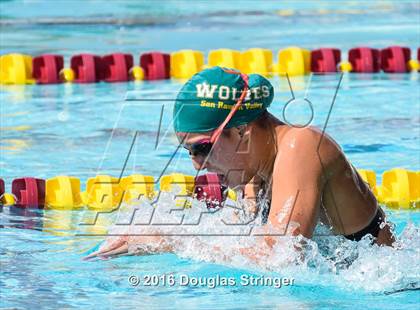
<point x="224" y="159"/>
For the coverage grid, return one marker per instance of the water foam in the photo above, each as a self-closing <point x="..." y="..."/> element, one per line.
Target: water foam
<point x="220" y="236"/>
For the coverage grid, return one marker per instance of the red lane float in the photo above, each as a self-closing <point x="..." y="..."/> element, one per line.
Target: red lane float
<point x="46" y="68"/>
<point x="364" y="59"/>
<point x="156" y="65"/>
<point x="29" y="192"/>
<point x="87" y="68"/>
<point x="1" y="188"/>
<point x="325" y="60"/>
<point x="209" y="189"/>
<point x="394" y="59"/>
<point x="116" y="67"/>
<point x="418" y="58"/>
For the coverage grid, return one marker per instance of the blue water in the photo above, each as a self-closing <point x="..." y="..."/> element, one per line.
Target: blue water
<point x="84" y="130"/>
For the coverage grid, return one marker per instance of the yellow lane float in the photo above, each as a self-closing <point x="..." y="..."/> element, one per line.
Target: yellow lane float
<point x="257" y="60"/>
<point x="180" y="183"/>
<point x="103" y="193"/>
<point x="8" y="199"/>
<point x="137" y="73"/>
<point x="186" y="63"/>
<point x="293" y="61"/>
<point x="67" y="75"/>
<point x="16" y="69"/>
<point x="414" y="65"/>
<point x="135" y="186"/>
<point x="369" y="177"/>
<point x="184" y="183"/>
<point x="400" y="189"/>
<point x="63" y="192"/>
<point x="224" y="58"/>
<point x="345" y="66"/>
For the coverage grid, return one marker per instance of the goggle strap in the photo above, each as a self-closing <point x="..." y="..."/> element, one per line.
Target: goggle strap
<point x="235" y="108"/>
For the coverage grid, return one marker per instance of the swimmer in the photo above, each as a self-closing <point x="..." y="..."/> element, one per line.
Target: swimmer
<point x="221" y="118"/>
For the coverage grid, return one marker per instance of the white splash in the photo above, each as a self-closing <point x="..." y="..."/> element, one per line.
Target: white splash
<point x="229" y="236"/>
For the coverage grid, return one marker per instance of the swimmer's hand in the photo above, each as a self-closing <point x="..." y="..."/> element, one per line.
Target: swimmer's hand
<point x="112" y="247"/>
<point x="115" y="246"/>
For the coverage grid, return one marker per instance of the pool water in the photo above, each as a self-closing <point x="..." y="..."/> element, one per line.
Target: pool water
<point x="84" y="130"/>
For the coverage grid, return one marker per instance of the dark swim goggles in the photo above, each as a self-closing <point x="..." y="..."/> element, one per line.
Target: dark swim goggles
<point x="203" y="147"/>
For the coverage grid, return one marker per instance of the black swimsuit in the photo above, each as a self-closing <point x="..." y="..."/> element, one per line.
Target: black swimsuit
<point x="373" y="228"/>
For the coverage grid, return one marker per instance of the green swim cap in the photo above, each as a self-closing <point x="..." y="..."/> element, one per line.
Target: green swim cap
<point x="206" y="99"/>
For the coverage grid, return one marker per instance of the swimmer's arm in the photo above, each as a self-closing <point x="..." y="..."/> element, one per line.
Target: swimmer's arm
<point x="297" y="186"/>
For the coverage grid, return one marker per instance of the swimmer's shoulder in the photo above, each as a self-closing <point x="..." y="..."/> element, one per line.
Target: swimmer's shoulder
<point x="308" y="142"/>
<point x="309" y="137"/>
